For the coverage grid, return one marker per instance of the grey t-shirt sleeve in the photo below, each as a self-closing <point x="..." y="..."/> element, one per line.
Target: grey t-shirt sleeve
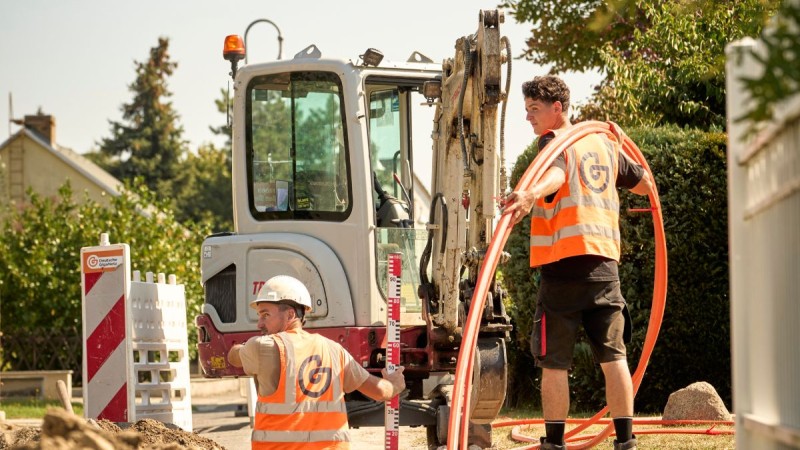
<point x="249" y="355"/>
<point x="354" y="374"/>
<point x="261" y="359"/>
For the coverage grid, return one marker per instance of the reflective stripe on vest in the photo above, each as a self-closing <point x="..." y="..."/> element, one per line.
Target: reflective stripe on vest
<point x="307" y="410"/>
<point x="583" y="218"/>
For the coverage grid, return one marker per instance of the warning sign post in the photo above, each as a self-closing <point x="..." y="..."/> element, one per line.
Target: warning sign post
<point x="106" y="313"/>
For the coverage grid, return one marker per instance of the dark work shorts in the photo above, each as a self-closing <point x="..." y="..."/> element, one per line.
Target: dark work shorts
<point x="561" y="307"/>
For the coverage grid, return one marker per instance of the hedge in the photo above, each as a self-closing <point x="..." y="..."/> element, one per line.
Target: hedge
<point x="694" y="342"/>
<point x="40" y="286"/>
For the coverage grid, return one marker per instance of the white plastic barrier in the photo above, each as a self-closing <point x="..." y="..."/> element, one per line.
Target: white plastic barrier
<point x="160" y="351"/>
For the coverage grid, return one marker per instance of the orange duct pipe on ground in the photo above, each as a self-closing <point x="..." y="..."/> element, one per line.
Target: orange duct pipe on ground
<point x="458" y="425"/>
<point x="517" y="435"/>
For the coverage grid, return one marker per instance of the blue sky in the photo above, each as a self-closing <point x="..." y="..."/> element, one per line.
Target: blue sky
<point x="75" y="58"/>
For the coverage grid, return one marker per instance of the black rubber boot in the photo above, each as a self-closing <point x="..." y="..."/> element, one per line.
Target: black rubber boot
<point x="548" y="446"/>
<point x="627" y="445"/>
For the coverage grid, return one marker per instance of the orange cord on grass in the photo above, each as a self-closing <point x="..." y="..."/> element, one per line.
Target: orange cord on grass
<point x="458" y="425"/>
<point x="517" y="435"/>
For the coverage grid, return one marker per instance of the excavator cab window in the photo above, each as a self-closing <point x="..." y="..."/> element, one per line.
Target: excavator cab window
<point x="297" y="162"/>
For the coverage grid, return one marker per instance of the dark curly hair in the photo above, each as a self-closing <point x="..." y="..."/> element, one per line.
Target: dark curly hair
<point x="548" y="88"/>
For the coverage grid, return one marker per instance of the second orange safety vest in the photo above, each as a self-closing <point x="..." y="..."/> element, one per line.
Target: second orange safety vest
<point x="583" y="218"/>
<point x="307" y="410"/>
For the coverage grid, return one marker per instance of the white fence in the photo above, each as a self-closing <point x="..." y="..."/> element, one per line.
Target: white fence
<point x="764" y="218"/>
<point x="160" y="351"/>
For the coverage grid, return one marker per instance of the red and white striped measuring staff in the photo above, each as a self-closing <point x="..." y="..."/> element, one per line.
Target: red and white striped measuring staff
<point x="392" y="410"/>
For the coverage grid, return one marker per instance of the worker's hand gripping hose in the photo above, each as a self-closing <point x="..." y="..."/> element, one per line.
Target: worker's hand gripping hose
<point x="458" y="425"/>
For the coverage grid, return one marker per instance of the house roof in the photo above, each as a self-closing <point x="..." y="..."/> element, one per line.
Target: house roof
<point x="87" y="168"/>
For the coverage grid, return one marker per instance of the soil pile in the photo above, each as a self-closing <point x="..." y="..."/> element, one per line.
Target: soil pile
<point x="64" y="431"/>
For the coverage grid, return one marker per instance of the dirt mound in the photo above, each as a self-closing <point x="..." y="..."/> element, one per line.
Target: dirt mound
<point x="64" y="431"/>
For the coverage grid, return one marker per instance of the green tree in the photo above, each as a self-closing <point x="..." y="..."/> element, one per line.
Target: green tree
<point x="569" y="35"/>
<point x="663" y="61"/>
<point x="148" y="142"/>
<point x="780" y="61"/>
<point x="224" y="105"/>
<point x="40" y="251"/>
<point x="203" y="188"/>
<point x="674" y="72"/>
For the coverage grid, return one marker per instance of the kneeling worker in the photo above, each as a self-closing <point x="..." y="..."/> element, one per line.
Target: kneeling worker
<point x="301" y="377"/>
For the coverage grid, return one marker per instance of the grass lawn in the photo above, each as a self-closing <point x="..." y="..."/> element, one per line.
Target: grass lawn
<point x="32" y="408"/>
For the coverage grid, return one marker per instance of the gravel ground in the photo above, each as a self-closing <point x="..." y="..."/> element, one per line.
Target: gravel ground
<point x="218" y="419"/>
<point x="220" y="424"/>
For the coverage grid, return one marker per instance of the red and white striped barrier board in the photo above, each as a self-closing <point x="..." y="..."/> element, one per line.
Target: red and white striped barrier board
<point x="392" y="410"/>
<point x="107" y="367"/>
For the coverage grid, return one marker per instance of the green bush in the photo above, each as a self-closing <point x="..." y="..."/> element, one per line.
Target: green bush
<point x="40" y="285"/>
<point x="694" y="342"/>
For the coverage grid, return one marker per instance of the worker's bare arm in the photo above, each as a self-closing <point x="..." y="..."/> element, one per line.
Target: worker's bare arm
<point x="383" y="389"/>
<point x="644" y="186"/>
<point x="233" y="355"/>
<point x="520" y="203"/>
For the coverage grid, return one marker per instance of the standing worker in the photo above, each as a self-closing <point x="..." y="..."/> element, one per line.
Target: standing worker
<point x="575" y="240"/>
<point x="301" y="377"/>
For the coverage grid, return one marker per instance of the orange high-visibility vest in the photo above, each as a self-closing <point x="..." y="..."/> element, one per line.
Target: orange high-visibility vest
<point x="583" y="218"/>
<point x="307" y="410"/>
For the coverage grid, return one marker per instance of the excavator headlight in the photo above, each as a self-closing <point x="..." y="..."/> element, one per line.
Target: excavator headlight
<point x="432" y="90"/>
<point x="371" y="57"/>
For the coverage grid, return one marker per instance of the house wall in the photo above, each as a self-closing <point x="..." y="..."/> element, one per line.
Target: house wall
<point x="28" y="164"/>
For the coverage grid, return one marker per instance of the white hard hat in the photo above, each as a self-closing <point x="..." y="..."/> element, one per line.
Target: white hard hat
<point x="283" y="288"/>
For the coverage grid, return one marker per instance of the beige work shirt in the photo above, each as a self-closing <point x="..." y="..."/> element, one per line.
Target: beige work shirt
<point x="261" y="358"/>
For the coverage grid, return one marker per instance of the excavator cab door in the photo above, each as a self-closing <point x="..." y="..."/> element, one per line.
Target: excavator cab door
<point x="400" y="227"/>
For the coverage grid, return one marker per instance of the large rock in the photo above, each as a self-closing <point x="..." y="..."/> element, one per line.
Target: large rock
<point x="698" y="401"/>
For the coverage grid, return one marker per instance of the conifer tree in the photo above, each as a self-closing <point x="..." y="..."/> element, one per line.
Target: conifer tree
<point x="148" y="142"/>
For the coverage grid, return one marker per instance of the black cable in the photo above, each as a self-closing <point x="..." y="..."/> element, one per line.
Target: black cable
<point x="426" y="253"/>
<point x="503" y="176"/>
<point x="467" y="69"/>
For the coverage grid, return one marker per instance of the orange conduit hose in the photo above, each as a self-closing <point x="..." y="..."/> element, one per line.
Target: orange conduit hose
<point x="606" y="421"/>
<point x="458" y="425"/>
<point x="517" y="435"/>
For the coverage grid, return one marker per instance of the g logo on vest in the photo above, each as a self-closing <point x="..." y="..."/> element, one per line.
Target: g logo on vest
<point x="598" y="172"/>
<point x="313" y="379"/>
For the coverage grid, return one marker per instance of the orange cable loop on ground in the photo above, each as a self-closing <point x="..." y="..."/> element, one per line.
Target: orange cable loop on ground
<point x="517" y="435"/>
<point x="458" y="425"/>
